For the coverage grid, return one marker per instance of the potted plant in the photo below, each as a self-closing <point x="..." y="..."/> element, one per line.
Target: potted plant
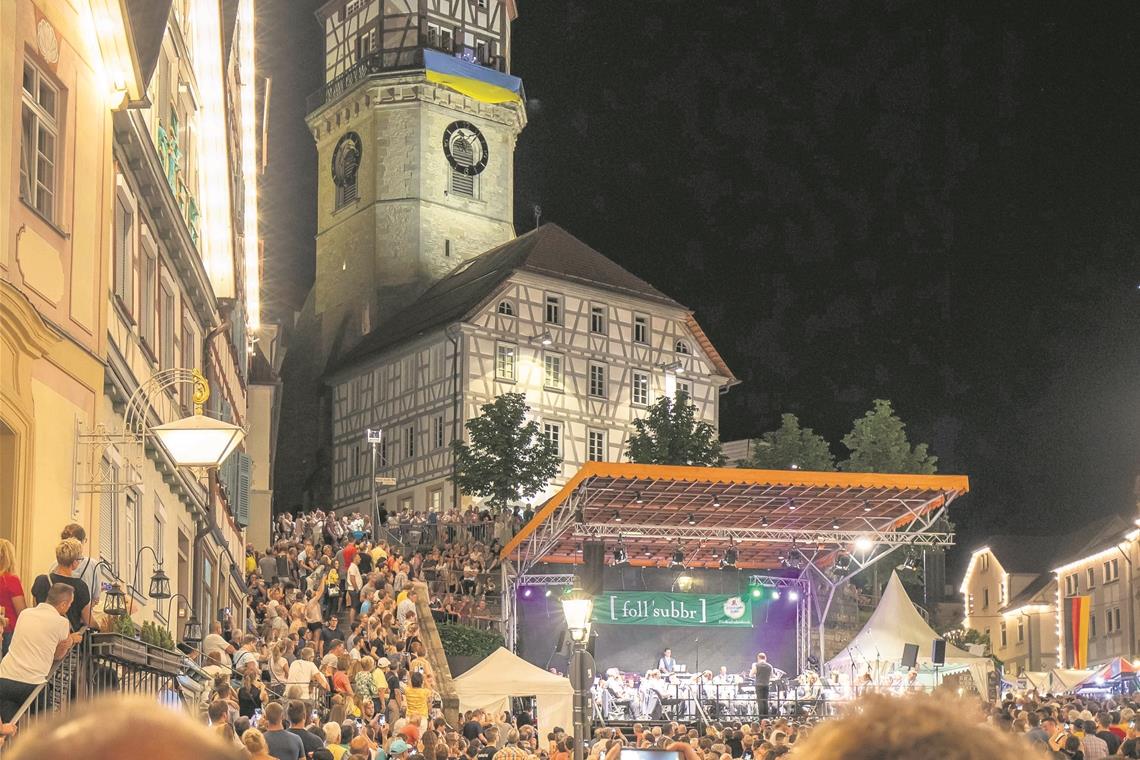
<point x="161" y="653"/>
<point x="119" y="642"/>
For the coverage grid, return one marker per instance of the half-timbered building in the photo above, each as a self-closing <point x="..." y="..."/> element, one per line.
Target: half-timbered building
<point x="425" y="304"/>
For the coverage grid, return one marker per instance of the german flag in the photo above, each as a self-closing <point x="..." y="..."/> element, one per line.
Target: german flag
<point x="1075" y="625"/>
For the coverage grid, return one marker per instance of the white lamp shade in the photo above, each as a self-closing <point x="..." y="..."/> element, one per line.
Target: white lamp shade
<point x="198" y="440"/>
<point x="577" y="606"/>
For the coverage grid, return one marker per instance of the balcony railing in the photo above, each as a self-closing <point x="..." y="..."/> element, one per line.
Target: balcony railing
<point x="383" y="61"/>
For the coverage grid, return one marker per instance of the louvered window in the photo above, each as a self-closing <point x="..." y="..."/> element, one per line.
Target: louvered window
<point x="109" y="475"/>
<point x="464" y="155"/>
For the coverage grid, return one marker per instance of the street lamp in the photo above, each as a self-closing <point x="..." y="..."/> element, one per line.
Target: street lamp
<point x="159" y="582"/>
<point x="198" y="440"/>
<point x="578" y="607"/>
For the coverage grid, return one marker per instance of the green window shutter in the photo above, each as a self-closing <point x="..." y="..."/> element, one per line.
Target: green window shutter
<point x="241" y="497"/>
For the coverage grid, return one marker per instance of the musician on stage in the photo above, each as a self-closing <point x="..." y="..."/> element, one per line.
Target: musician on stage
<point x="762" y="674"/>
<point x="667" y="665"/>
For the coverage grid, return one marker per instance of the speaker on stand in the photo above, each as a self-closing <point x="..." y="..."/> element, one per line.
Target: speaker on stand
<point x="938" y="657"/>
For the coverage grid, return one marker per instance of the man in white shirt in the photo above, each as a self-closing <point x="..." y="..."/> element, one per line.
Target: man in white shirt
<point x="42" y="637"/>
<point x="302" y="673"/>
<point x="406" y="606"/>
<point x="214" y="641"/>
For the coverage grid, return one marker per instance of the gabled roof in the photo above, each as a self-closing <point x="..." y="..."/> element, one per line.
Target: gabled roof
<point x="550" y="251"/>
<point x="1026" y="595"/>
<point x="1027" y="554"/>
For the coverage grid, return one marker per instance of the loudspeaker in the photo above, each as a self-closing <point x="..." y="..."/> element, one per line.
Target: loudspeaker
<point x="563" y="646"/>
<point x="593" y="565"/>
<point x="938" y="651"/>
<point x="910" y="655"/>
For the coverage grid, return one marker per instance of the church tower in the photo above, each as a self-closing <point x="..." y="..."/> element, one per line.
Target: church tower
<point x="415" y="131"/>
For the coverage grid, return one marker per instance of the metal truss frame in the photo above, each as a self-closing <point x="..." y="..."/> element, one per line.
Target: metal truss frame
<point x="804" y="588"/>
<point x="893" y="538"/>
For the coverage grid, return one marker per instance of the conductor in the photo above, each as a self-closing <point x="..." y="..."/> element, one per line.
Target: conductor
<point x="762" y="673"/>
<point x="667" y="664"/>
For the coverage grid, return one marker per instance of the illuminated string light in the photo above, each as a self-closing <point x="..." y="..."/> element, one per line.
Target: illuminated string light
<point x="249" y="155"/>
<point x="216" y="241"/>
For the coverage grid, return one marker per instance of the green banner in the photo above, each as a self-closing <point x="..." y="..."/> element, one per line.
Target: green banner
<point x="661" y="608"/>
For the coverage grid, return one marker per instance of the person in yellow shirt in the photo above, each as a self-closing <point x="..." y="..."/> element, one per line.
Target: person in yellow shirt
<point x="418" y="700"/>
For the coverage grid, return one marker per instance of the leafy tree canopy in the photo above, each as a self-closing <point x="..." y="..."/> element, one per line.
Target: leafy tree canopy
<point x="791" y="447"/>
<point x="671" y="434"/>
<point x="508" y="458"/>
<point x="878" y="443"/>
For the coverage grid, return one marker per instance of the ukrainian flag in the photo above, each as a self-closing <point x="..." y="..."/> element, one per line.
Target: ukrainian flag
<point x="471" y="79"/>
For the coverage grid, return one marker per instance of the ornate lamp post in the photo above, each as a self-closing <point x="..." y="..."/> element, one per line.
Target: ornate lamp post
<point x="577" y="607"/>
<point x="198" y="440"/>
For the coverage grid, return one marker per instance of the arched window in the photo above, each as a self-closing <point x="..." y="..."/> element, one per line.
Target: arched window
<point x="506" y="308"/>
<point x="682" y="347"/>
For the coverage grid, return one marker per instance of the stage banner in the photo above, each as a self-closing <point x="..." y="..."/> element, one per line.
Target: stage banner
<point x="1075" y="624"/>
<point x="660" y="608"/>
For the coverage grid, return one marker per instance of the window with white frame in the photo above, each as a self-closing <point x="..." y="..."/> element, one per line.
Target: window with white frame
<point x="1108" y="621"/>
<point x="410" y="441"/>
<point x="553" y="311"/>
<point x="435" y="500"/>
<point x="505" y="365"/>
<point x="1116" y="617"/>
<point x="596" y="446"/>
<point x="165" y="325"/>
<point x="109" y="512"/>
<point x="159" y="530"/>
<point x="134" y="533"/>
<point x="552" y="431"/>
<point x="597" y="380"/>
<point x="506" y="308"/>
<point x="40" y="141"/>
<point x="1004" y="635"/>
<point x="1090" y="576"/>
<point x="1071" y="584"/>
<point x="640" y="394"/>
<point x="682" y="347"/>
<point x="984" y="561"/>
<point x="1111" y="570"/>
<point x="1092" y="626"/>
<point x="985" y="599"/>
<point x="598" y="318"/>
<point x="552" y="370"/>
<point x="437" y="431"/>
<point x="1020" y="629"/>
<point x="640" y="328"/>
<point x="190" y="356"/>
<point x="684" y="387"/>
<point x="148" y="289"/>
<point x="124" y="253"/>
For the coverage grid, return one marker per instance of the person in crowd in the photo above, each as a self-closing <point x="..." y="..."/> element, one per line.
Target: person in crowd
<point x="88" y="568"/>
<point x="12" y="599"/>
<point x="303" y="674"/>
<point x="43" y="637"/>
<point x="283" y="744"/>
<point x="255" y="743"/>
<point x="68" y="556"/>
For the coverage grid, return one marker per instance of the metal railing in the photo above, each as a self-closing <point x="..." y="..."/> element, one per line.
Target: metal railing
<point x="421" y="535"/>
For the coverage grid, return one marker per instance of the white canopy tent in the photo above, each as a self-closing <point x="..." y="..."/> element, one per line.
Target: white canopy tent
<point x="878" y="648"/>
<point x="1067" y="679"/>
<point x="491" y="684"/>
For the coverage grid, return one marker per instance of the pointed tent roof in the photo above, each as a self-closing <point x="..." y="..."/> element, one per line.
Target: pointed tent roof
<point x="894" y="623"/>
<point x="505" y="672"/>
<point x="550" y="251"/>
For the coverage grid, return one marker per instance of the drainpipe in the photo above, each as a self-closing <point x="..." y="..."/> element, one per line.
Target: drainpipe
<point x="453" y="334"/>
<point x="206" y="526"/>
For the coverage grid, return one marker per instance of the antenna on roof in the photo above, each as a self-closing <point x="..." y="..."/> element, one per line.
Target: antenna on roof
<point x="537" y="216"/>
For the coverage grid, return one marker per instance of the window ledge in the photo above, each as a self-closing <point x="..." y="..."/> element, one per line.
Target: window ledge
<point x="123" y="309"/>
<point x="510" y="380"/>
<point x="39" y="215"/>
<point x="554" y="388"/>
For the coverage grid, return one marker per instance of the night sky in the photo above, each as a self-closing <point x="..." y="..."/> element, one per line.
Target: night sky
<point x="936" y="206"/>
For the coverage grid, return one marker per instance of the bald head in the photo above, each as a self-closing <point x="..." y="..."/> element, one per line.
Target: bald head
<point x="108" y="729"/>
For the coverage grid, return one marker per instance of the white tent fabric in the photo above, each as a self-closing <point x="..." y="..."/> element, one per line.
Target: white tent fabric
<point x="895" y="622"/>
<point x="1066" y="679"/>
<point x="502" y="675"/>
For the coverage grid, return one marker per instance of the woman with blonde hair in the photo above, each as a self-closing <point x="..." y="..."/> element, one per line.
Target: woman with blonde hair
<point x="256" y="745"/>
<point x="12" y="598"/>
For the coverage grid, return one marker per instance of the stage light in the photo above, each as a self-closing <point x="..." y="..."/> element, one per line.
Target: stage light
<point x="637" y="498"/>
<point x="678" y="559"/>
<point x="775" y="594"/>
<point x="866" y="506"/>
<point x="648" y="552"/>
<point x="763" y="521"/>
<point x="835" y="525"/>
<point x="791" y="505"/>
<point x="793" y="596"/>
<point x="842" y="565"/>
<point x="864" y="544"/>
<point x="756" y="593"/>
<point x="692" y="520"/>
<point x="527" y="591"/>
<point x="616" y="516"/>
<point x="621" y="557"/>
<point x="685" y="582"/>
<point x="714" y="553"/>
<point x="729" y="561"/>
<point x="716" y="501"/>
<point x="907" y="564"/>
<point x="546" y="593"/>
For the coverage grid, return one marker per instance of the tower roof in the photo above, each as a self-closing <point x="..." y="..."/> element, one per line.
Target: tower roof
<point x="548" y="250"/>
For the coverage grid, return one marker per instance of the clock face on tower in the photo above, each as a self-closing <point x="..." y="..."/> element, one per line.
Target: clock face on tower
<point x="465" y="148"/>
<point x="346" y="159"/>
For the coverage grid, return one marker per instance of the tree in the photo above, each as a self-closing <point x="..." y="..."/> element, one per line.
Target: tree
<point x="671" y="434"/>
<point x="509" y="458"/>
<point x="878" y="443"/>
<point x="791" y="447"/>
